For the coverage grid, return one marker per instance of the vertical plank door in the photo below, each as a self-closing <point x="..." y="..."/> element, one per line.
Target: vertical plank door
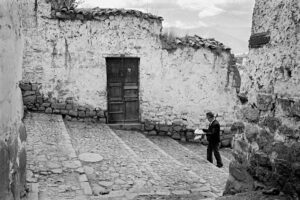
<point x="123" y="90"/>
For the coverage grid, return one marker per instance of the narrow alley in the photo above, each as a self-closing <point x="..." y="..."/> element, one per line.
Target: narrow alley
<point x="127" y="165"/>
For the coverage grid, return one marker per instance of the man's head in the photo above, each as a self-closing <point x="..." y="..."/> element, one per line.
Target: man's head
<point x="210" y="116"/>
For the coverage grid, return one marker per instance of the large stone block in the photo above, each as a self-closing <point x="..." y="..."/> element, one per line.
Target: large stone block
<point x="296" y="109"/>
<point x="286" y="131"/>
<point x="100" y="113"/>
<point x="264" y="102"/>
<point x="25" y="86"/>
<point x="48" y="110"/>
<point x="46" y="105"/>
<point x="286" y="106"/>
<point x="29" y="100"/>
<point x="226" y="142"/>
<point x="56" y="111"/>
<point x="81" y="114"/>
<point x="262" y="159"/>
<point x="69" y="106"/>
<point x="41" y="108"/>
<point x="34" y="86"/>
<point x="58" y="106"/>
<point x="28" y="93"/>
<point x="148" y="126"/>
<point x="164" y="128"/>
<point x="264" y="140"/>
<point x="176" y="135"/>
<point x="251" y="114"/>
<point x="39" y="99"/>
<point x="239" y="179"/>
<point x="271" y="122"/>
<point x="91" y="113"/>
<point x="177" y="128"/>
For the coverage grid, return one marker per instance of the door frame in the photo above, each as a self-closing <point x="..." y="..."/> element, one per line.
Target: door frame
<point x="122" y="57"/>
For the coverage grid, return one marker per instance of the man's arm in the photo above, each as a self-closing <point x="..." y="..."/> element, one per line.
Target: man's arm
<point x="207" y="132"/>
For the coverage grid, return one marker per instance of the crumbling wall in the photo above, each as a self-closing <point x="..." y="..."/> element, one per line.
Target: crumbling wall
<point x="12" y="130"/>
<point x="189" y="83"/>
<point x="267" y="140"/>
<point x="65" y="55"/>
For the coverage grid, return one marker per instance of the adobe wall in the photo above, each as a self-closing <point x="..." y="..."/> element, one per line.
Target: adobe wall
<point x="267" y="139"/>
<point x="66" y="58"/>
<point x="12" y="130"/>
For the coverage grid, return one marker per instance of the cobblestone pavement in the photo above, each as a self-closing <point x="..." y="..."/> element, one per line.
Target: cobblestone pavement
<point x="201" y="150"/>
<point x="51" y="160"/>
<point x="130" y="165"/>
<point x="177" y="176"/>
<point x="195" y="161"/>
<point x="119" y="174"/>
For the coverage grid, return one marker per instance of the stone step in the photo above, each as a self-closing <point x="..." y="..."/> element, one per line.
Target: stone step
<point x="127" y="126"/>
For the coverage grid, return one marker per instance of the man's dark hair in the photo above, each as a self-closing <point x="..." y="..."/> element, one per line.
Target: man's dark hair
<point x="210" y="115"/>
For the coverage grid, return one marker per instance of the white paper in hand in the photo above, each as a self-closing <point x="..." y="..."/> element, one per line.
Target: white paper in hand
<point x="199" y="132"/>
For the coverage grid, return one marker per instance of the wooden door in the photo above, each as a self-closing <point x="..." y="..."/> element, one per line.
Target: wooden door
<point x="123" y="90"/>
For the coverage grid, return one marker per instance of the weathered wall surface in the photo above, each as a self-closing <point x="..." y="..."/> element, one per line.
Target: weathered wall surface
<point x="267" y="142"/>
<point x="67" y="58"/>
<point x="274" y="69"/>
<point x="12" y="131"/>
<point x="188" y="84"/>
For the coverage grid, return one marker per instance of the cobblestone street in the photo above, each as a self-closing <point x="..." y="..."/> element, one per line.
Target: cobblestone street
<point x="130" y="165"/>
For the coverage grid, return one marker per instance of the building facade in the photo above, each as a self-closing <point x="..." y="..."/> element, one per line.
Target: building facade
<point x="115" y="65"/>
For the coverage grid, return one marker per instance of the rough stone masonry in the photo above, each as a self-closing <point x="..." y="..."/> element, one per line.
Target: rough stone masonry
<point x="12" y="130"/>
<point x="267" y="139"/>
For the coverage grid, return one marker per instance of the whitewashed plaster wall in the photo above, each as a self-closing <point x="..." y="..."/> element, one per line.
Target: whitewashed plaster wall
<point x="68" y="59"/>
<point x="12" y="131"/>
<point x="189" y="83"/>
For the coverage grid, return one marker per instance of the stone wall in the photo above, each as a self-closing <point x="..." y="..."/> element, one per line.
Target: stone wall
<point x="34" y="100"/>
<point x="12" y="130"/>
<point x="179" y="131"/>
<point x="65" y="53"/>
<point x="267" y="140"/>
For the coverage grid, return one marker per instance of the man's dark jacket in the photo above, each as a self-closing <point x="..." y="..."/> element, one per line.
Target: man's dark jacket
<point x="213" y="132"/>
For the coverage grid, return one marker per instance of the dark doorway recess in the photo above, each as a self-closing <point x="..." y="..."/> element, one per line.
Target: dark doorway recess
<point x="123" y="90"/>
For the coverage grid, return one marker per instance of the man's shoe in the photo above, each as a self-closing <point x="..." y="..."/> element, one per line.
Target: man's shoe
<point x="220" y="166"/>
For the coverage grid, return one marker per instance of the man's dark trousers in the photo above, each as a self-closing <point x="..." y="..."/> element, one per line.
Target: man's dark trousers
<point x="214" y="148"/>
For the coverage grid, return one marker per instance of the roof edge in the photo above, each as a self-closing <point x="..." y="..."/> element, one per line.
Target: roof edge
<point x="196" y="42"/>
<point x="98" y="13"/>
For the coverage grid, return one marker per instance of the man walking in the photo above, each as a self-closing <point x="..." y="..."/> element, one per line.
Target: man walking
<point x="213" y="137"/>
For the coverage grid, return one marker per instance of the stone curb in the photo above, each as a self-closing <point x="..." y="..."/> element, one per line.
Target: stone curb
<point x="82" y="178"/>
